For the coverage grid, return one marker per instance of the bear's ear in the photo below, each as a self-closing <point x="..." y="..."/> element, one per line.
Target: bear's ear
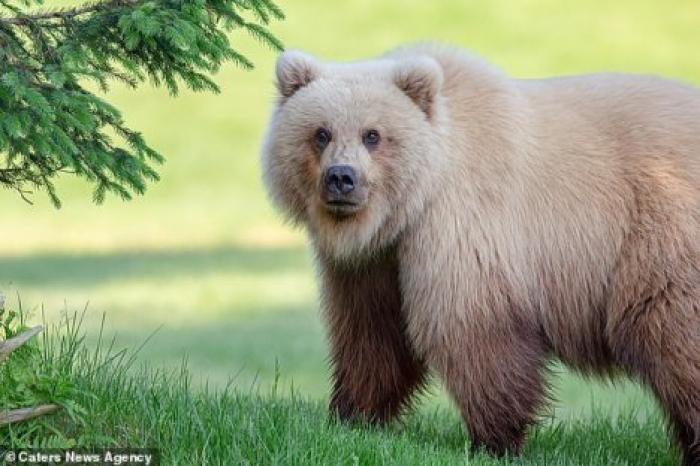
<point x="295" y="70"/>
<point x="420" y="78"/>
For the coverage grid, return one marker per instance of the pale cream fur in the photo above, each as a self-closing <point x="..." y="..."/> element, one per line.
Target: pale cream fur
<point x="543" y="173"/>
<point x="559" y="203"/>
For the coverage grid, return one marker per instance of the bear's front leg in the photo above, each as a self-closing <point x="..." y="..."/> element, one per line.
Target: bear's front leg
<point x="496" y="375"/>
<point x="375" y="371"/>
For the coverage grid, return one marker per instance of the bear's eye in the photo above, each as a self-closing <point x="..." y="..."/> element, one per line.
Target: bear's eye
<point x="322" y="138"/>
<point x="371" y="138"/>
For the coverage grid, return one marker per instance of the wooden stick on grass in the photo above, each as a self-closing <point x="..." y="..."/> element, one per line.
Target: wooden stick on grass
<point x="6" y="348"/>
<point x="17" y="415"/>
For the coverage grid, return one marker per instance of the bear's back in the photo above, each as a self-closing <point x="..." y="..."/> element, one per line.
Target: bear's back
<point x="642" y="116"/>
<point x="633" y="116"/>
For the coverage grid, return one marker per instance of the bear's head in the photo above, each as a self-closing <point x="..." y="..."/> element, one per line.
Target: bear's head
<point x="353" y="150"/>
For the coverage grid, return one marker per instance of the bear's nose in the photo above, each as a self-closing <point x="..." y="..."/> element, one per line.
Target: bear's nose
<point x="340" y="179"/>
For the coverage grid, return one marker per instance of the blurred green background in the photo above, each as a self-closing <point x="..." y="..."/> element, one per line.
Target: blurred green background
<point x="203" y="256"/>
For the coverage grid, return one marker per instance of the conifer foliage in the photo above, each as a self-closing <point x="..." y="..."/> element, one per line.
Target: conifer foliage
<point x="50" y="120"/>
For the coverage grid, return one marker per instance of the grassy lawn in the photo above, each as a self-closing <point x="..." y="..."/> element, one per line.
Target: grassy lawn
<point x="204" y="262"/>
<point x="110" y="400"/>
<point x="237" y="428"/>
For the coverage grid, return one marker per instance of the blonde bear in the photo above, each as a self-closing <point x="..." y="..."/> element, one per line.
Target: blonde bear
<point x="479" y="226"/>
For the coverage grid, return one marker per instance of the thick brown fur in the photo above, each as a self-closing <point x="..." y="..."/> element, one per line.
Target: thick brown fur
<point x="508" y="222"/>
<point x="375" y="372"/>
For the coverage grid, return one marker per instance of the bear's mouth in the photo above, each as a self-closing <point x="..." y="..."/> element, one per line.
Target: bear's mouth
<point x="342" y="208"/>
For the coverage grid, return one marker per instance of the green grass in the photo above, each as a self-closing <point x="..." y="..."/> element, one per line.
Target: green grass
<point x="109" y="401"/>
<point x="205" y="261"/>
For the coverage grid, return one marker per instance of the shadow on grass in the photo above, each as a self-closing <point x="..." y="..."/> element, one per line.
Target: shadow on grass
<point x="250" y="349"/>
<point x="56" y="269"/>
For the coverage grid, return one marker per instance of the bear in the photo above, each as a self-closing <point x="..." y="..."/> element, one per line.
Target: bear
<point x="476" y="227"/>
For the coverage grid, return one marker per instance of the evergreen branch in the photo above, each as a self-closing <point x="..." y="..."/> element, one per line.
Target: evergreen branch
<point x="50" y="124"/>
<point x="65" y="13"/>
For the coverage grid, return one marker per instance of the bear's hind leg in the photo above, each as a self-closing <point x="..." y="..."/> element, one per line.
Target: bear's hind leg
<point x="659" y="340"/>
<point x="375" y="371"/>
<point x="497" y="378"/>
